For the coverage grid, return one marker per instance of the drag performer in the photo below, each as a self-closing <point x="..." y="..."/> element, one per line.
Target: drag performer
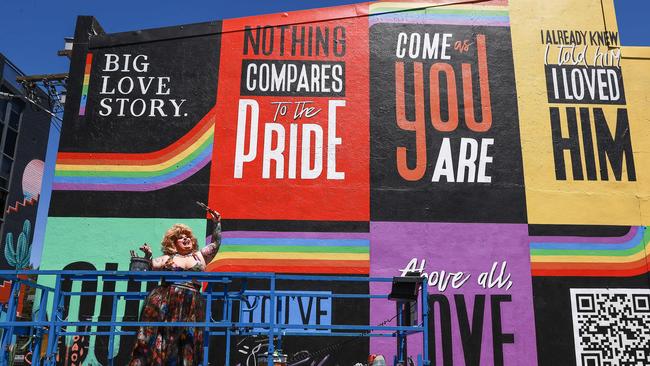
<point x="175" y="302"/>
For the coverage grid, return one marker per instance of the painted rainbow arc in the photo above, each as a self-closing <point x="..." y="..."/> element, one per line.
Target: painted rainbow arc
<point x="293" y="252"/>
<point x="137" y="172"/>
<point x="611" y="257"/>
<point x="493" y="14"/>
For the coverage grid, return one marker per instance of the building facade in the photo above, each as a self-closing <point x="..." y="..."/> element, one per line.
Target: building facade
<point x="499" y="147"/>
<point x="24" y="138"/>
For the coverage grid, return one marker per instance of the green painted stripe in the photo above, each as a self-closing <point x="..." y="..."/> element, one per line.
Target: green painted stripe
<point x="295" y="248"/>
<point x="128" y="174"/>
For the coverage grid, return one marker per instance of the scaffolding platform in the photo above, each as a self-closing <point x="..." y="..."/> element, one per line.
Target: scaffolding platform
<point x="227" y="296"/>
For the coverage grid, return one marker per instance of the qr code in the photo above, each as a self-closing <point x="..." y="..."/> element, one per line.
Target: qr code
<point x="611" y="327"/>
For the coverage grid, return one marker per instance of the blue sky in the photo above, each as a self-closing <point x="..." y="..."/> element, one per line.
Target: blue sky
<point x="31" y="31"/>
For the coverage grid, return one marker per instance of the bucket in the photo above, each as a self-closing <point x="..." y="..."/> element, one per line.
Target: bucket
<point x="278" y="359"/>
<point x="140" y="264"/>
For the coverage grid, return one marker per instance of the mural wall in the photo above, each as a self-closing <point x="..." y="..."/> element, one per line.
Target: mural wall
<point x="498" y="148"/>
<point x="24" y="154"/>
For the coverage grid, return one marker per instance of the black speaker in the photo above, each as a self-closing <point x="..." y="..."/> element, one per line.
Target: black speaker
<point x="406" y="288"/>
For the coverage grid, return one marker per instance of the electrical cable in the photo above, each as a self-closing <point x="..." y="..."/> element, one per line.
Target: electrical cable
<point x="339" y="345"/>
<point x="52" y="114"/>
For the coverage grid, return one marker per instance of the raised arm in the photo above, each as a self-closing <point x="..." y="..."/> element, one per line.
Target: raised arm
<point x="158" y="263"/>
<point x="210" y="250"/>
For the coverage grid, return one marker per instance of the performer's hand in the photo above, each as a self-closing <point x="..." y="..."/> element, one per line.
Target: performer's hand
<point x="216" y="217"/>
<point x="146" y="249"/>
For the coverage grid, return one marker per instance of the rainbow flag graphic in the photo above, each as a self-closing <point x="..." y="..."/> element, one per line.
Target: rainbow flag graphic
<point x="137" y="172"/>
<point x="85" y="85"/>
<point x="493" y="13"/>
<point x="293" y="252"/>
<point x="624" y="256"/>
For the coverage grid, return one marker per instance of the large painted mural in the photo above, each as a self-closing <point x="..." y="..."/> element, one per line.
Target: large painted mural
<point x="499" y="148"/>
<point x="24" y="154"/>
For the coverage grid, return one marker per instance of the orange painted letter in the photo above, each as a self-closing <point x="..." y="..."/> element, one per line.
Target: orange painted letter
<point x="434" y="97"/>
<point x="486" y="105"/>
<point x="418" y="125"/>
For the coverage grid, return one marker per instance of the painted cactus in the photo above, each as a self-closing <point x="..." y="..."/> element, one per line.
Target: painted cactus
<point x="19" y="256"/>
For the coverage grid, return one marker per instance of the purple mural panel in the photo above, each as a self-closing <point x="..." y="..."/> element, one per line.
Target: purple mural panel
<point x="480" y="291"/>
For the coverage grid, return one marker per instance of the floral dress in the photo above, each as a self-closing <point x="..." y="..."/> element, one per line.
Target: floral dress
<point x="170" y="346"/>
<point x="174" y="346"/>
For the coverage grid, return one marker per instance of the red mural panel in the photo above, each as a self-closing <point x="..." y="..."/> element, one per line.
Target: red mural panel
<point x="292" y="132"/>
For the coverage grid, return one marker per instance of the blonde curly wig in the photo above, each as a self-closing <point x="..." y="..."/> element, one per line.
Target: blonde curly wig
<point x="175" y="232"/>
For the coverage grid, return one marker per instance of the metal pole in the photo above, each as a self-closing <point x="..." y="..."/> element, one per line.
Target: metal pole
<point x="111" y="338"/>
<point x="401" y="338"/>
<point x="272" y="315"/>
<point x="206" y="330"/>
<point x="50" y="357"/>
<point x="227" y="302"/>
<point x="425" y="324"/>
<point x="36" y="349"/>
<point x="224" y="311"/>
<point x="226" y="317"/>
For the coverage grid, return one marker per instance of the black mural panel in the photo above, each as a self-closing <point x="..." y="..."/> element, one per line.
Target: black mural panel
<point x="142" y="97"/>
<point x="553" y="315"/>
<point x="577" y="230"/>
<point x="444" y="125"/>
<point x="140" y="110"/>
<point x="296" y="226"/>
<point x="593" y="309"/>
<point x="176" y="201"/>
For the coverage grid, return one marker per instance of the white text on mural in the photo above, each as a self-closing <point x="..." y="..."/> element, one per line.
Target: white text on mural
<point x="458" y="160"/>
<point x="291" y="150"/>
<point x="441" y="306"/>
<point x="582" y="69"/>
<point x="496" y="277"/>
<point x="128" y="90"/>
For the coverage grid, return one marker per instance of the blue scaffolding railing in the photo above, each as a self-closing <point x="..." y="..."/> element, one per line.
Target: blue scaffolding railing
<point x="233" y="288"/>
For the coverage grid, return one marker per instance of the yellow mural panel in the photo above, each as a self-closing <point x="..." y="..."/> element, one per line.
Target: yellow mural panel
<point x="636" y="71"/>
<point x="583" y="110"/>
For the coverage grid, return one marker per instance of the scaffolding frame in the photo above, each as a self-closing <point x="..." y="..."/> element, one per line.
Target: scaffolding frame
<point x="52" y="299"/>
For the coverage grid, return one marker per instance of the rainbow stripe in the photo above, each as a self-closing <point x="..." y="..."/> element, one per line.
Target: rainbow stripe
<point x="493" y="14"/>
<point x="85" y="85"/>
<point x="293" y="252"/>
<point x="593" y="257"/>
<point x="137" y="172"/>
